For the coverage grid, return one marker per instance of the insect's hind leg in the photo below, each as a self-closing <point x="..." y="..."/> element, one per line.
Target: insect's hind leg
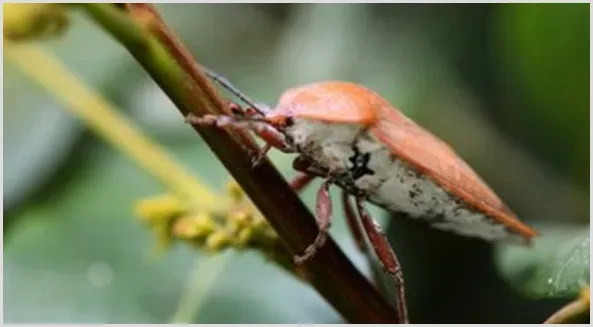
<point x="386" y="256"/>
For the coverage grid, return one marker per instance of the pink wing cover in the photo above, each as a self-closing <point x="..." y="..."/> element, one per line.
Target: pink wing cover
<point x="435" y="158"/>
<point x="335" y="102"/>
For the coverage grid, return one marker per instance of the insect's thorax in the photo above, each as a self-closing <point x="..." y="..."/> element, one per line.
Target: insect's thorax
<point x="345" y="150"/>
<point x="365" y="166"/>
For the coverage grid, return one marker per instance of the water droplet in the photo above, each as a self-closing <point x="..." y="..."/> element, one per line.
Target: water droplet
<point x="100" y="274"/>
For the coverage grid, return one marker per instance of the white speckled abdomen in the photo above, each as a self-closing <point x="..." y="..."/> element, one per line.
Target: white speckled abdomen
<point x="393" y="184"/>
<point x="417" y="196"/>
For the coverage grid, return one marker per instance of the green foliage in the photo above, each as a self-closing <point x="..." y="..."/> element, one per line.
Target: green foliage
<point x="545" y="50"/>
<point x="556" y="267"/>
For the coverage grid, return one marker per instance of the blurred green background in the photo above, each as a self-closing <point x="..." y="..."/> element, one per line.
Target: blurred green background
<point x="506" y="84"/>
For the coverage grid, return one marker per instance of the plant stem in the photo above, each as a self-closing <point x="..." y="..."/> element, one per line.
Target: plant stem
<point x="572" y="311"/>
<point x="330" y="272"/>
<point x="568" y="313"/>
<point x="201" y="279"/>
<point x="109" y="124"/>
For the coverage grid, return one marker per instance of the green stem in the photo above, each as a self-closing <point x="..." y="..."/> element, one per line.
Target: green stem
<point x="330" y="272"/>
<point x="201" y="280"/>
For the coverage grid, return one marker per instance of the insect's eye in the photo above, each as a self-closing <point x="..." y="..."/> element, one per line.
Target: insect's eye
<point x="236" y="110"/>
<point x="289" y="121"/>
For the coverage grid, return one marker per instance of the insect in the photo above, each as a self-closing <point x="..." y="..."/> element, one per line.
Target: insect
<point x="352" y="137"/>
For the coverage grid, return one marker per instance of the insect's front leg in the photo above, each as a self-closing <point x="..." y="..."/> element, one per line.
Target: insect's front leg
<point x="223" y="121"/>
<point x="386" y="256"/>
<point x="309" y="170"/>
<point x="239" y="122"/>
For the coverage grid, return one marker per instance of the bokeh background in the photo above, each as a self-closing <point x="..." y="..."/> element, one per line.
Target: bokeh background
<point x="506" y="84"/>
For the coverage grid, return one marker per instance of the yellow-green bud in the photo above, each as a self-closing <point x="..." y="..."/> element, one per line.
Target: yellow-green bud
<point x="217" y="240"/>
<point x="27" y="21"/>
<point x="235" y="191"/>
<point x="204" y="224"/>
<point x="158" y="209"/>
<point x="244" y="236"/>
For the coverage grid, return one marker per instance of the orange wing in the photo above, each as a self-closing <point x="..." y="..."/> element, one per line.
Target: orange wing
<point x="333" y="102"/>
<point x="436" y="159"/>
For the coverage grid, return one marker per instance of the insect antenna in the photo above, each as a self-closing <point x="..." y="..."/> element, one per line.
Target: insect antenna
<point x="225" y="83"/>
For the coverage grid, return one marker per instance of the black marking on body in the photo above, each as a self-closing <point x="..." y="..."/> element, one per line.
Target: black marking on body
<point x="360" y="163"/>
<point x="289" y="121"/>
<point x="412" y="173"/>
<point x="290" y="141"/>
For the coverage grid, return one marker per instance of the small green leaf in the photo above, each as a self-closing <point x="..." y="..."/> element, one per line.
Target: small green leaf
<point x="557" y="265"/>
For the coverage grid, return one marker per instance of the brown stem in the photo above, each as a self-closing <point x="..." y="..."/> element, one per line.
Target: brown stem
<point x="173" y="68"/>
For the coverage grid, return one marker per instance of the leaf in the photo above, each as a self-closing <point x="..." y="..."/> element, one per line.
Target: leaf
<point x="557" y="266"/>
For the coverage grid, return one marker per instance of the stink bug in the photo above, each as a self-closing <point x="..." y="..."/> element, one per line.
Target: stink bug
<point x="352" y="137"/>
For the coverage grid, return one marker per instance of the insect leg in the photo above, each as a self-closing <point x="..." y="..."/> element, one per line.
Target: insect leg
<point x="386" y="256"/>
<point x="301" y="181"/>
<point x="352" y="221"/>
<point x="268" y="133"/>
<point x="272" y="137"/>
<point x="323" y="215"/>
<point x="308" y="168"/>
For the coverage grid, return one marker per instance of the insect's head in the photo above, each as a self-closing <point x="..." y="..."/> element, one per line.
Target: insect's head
<point x="280" y="122"/>
<point x="255" y="112"/>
